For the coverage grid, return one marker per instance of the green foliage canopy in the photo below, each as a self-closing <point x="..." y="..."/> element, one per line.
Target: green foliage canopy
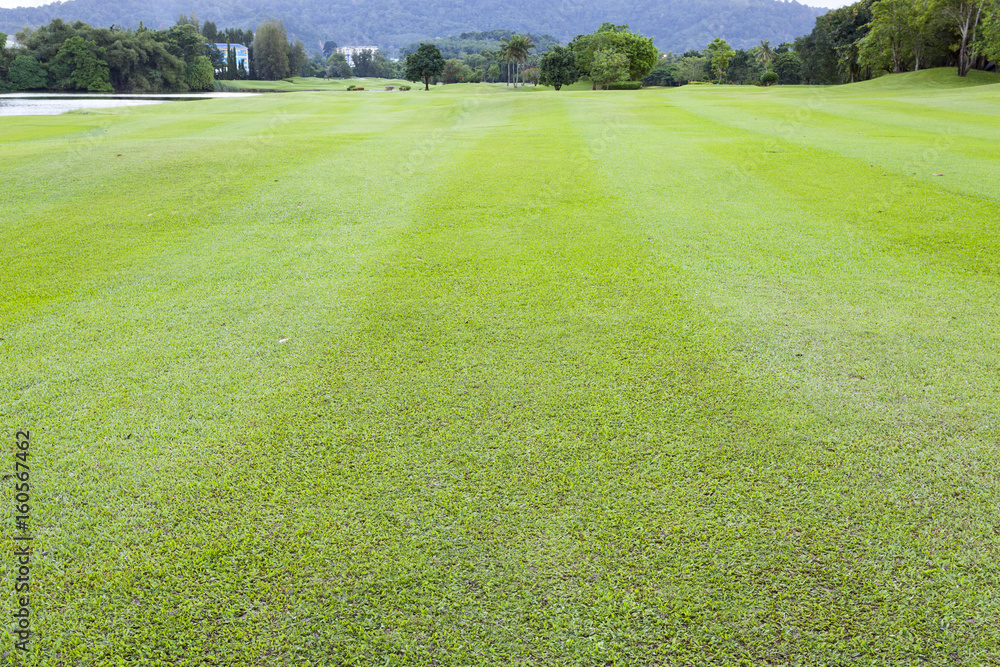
<point x="722" y="53"/>
<point x="270" y="44"/>
<point x="200" y="74"/>
<point x="610" y="66"/>
<point x="557" y="68"/>
<point x="80" y="64"/>
<point x="788" y="68"/>
<point x="639" y="53"/>
<point x="26" y="73"/>
<point x="296" y="58"/>
<point x="337" y="67"/>
<point x="79" y="57"/>
<point x="424" y="64"/>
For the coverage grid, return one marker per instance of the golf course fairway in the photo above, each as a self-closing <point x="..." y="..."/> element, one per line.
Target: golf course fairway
<point x="480" y="376"/>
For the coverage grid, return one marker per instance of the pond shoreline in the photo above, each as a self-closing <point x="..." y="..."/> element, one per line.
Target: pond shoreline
<point x="54" y="104"/>
<point x="104" y="96"/>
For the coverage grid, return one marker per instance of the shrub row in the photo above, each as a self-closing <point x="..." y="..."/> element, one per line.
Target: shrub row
<point x="625" y="85"/>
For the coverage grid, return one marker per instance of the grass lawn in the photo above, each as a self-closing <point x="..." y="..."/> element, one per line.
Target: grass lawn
<point x="692" y="376"/>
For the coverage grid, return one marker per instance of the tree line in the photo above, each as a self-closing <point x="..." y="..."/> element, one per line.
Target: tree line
<point x="78" y="57"/>
<point x="872" y="37"/>
<point x="271" y="55"/>
<point x="610" y="56"/>
<point x="852" y="43"/>
<point x="718" y="62"/>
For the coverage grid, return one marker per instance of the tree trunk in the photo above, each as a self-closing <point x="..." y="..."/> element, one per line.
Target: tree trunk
<point x="963" y="55"/>
<point x="967" y="16"/>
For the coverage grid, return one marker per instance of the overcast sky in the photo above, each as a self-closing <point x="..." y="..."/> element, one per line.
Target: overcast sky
<point x="36" y="3"/>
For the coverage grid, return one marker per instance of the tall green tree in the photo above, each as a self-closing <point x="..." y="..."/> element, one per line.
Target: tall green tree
<point x="6" y="60"/>
<point x="337" y="67"/>
<point x="764" y="54"/>
<point x="385" y="68"/>
<point x="989" y="35"/>
<point x="520" y="47"/>
<point x="210" y="31"/>
<point x="585" y="47"/>
<point x="364" y="63"/>
<point x="929" y="34"/>
<point x="270" y="44"/>
<point x="639" y="52"/>
<point x="722" y="53"/>
<point x="788" y="67"/>
<point x="665" y="73"/>
<point x="297" y="58"/>
<point x="81" y="61"/>
<point x="889" y="42"/>
<point x="743" y="69"/>
<point x="694" y="68"/>
<point x="26" y="73"/>
<point x="188" y="20"/>
<point x="557" y="68"/>
<point x="830" y="53"/>
<point x="964" y="16"/>
<point x="455" y="71"/>
<point x="200" y="74"/>
<point x="424" y="64"/>
<point x="507" y="54"/>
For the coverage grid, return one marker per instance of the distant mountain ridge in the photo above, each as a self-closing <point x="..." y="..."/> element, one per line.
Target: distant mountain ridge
<point x="674" y="25"/>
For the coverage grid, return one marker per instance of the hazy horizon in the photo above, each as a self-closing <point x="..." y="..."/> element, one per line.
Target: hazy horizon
<point x="11" y="4"/>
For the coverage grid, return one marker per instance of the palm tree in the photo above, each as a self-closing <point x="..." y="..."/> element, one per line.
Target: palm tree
<point x="507" y="54"/>
<point x="517" y="50"/>
<point x="764" y="54"/>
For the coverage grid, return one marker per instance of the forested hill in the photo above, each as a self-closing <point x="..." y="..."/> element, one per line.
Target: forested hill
<point x="674" y="25"/>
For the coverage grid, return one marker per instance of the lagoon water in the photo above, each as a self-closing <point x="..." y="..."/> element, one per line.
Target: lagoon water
<point x="34" y="104"/>
<point x="48" y="107"/>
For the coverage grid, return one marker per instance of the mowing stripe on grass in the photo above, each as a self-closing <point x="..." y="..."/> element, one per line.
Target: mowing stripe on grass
<point x="538" y="397"/>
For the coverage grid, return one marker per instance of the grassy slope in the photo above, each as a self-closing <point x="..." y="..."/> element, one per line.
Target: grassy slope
<point x="939" y="77"/>
<point x="659" y="377"/>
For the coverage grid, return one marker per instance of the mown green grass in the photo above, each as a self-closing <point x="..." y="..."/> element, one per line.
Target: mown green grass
<point x="679" y="377"/>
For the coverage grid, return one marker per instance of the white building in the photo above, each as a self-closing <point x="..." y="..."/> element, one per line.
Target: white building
<point x="350" y="52"/>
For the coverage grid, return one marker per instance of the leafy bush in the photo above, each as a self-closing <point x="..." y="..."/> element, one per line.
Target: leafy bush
<point x="390" y="87"/>
<point x="663" y="75"/>
<point x="767" y="78"/>
<point x="351" y="87"/>
<point x="405" y="87"/>
<point x="625" y="85"/>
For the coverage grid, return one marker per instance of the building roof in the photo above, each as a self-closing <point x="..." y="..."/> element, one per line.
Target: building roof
<point x="222" y="46"/>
